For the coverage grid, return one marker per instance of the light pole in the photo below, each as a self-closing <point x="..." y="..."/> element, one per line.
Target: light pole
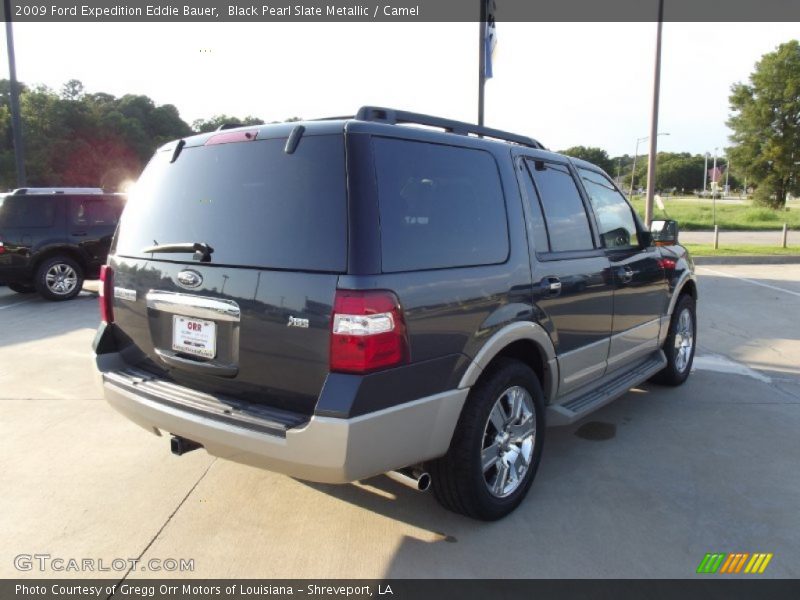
<point x="727" y="174"/>
<point x="636" y="155"/>
<point x="653" y="154"/>
<point x="705" y="174"/>
<point x="714" y="189"/>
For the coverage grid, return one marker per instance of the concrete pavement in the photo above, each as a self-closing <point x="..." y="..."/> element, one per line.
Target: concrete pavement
<point x="708" y="467"/>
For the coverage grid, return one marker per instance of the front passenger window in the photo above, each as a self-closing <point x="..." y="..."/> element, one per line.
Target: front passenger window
<point x="614" y="214"/>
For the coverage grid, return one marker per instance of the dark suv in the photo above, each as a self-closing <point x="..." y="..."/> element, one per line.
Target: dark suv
<point x="51" y="239"/>
<point x="342" y="298"/>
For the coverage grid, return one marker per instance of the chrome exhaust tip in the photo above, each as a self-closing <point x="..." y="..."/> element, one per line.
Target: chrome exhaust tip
<point x="413" y="477"/>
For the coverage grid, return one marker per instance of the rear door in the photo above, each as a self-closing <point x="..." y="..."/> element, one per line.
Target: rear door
<point x="572" y="284"/>
<point x="640" y="285"/>
<point x="250" y="318"/>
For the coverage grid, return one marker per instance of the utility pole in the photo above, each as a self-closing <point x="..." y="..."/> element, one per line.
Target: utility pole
<point x="16" y="121"/>
<point x="714" y="188"/>
<point x="651" y="160"/>
<point x="705" y="174"/>
<point x="481" y="60"/>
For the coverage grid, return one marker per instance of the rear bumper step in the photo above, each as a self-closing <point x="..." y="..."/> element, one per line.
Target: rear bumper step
<point x="323" y="449"/>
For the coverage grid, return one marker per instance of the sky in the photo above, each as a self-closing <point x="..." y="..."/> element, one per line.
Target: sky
<point x="564" y="84"/>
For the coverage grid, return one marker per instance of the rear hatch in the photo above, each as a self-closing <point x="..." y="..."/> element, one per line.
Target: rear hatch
<point x="24" y="220"/>
<point x="226" y="262"/>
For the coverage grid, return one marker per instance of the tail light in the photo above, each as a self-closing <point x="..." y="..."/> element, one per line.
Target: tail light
<point x="368" y="332"/>
<point x="668" y="264"/>
<point x="2" y="247"/>
<point x="106" y="294"/>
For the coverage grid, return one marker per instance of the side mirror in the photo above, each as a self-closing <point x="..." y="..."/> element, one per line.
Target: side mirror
<point x="664" y="233"/>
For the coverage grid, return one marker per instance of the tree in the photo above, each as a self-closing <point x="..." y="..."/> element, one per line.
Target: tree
<point x="78" y="139"/>
<point x="214" y="123"/>
<point x="765" y="120"/>
<point x="596" y="156"/>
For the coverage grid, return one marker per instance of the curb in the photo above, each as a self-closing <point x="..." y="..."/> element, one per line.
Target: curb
<point x="746" y="260"/>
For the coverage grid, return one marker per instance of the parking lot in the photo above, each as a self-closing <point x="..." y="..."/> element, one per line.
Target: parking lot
<point x="708" y="467"/>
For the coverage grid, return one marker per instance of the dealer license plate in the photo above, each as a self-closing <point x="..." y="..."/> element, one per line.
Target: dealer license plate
<point x="194" y="336"/>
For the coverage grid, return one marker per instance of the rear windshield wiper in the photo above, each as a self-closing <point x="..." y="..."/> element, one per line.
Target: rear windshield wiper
<point x="202" y="251"/>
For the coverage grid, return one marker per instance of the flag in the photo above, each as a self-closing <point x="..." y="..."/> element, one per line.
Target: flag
<point x="715" y="174"/>
<point x="489" y="38"/>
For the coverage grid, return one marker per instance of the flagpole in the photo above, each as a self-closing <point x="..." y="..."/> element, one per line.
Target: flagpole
<point x="481" y="60"/>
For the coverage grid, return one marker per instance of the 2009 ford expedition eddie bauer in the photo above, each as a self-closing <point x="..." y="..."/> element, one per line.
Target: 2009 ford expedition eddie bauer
<point x="341" y="298"/>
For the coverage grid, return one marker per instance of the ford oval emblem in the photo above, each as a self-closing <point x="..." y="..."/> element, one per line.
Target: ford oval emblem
<point x="189" y="279"/>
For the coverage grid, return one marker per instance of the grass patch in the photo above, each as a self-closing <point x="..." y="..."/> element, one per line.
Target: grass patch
<point x="698" y="215"/>
<point x="741" y="250"/>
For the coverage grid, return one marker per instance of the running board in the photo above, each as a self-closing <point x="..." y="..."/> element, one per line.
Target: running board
<point x="580" y="403"/>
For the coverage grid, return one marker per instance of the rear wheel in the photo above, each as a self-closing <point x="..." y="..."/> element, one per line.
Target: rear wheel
<point x="22" y="288"/>
<point x="59" y="278"/>
<point x="496" y="447"/>
<point x="680" y="344"/>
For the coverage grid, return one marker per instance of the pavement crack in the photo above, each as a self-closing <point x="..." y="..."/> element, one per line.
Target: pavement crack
<point x="167" y="522"/>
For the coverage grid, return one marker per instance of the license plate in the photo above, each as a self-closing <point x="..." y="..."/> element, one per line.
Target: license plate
<point x="194" y="336"/>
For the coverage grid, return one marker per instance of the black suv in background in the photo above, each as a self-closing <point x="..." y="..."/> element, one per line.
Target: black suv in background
<point x="51" y="239"/>
<point x="342" y="298"/>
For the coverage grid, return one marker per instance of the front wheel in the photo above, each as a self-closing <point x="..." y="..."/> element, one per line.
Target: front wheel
<point x="680" y="344"/>
<point x="496" y="447"/>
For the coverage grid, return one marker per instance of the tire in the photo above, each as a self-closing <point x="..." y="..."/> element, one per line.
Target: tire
<point x="679" y="348"/>
<point x="459" y="480"/>
<point x="59" y="278"/>
<point x="22" y="288"/>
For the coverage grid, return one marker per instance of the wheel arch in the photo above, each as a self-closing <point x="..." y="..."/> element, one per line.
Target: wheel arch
<point x="524" y="341"/>
<point x="54" y="251"/>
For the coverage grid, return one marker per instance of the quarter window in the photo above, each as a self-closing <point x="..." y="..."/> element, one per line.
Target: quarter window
<point x="440" y="206"/>
<point x="614" y="214"/>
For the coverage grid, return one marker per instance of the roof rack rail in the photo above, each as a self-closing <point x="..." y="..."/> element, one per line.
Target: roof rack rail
<point x="394" y="117"/>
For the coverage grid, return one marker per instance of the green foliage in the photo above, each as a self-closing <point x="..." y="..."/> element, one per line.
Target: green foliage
<point x="596" y="156"/>
<point x="215" y="122"/>
<point x="79" y="139"/>
<point x="765" y="120"/>
<point x="698" y="215"/>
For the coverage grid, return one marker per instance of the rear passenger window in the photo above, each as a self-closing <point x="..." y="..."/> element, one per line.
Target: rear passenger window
<point x="95" y="211"/>
<point x="440" y="206"/>
<point x="564" y="212"/>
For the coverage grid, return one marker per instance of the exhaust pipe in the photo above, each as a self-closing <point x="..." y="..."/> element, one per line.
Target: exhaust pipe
<point x="181" y="446"/>
<point x="414" y="477"/>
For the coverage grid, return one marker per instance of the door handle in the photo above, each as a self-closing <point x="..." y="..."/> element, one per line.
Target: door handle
<point x="551" y="286"/>
<point x="625" y="274"/>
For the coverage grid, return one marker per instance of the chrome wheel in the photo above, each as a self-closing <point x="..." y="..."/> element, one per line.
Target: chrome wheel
<point x="61" y="279"/>
<point x="684" y="340"/>
<point x="508" y="441"/>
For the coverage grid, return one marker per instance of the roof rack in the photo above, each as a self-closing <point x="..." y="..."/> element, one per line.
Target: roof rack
<point x="394" y="117"/>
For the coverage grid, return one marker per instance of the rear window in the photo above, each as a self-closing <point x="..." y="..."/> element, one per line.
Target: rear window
<point x="251" y="202"/>
<point x="440" y="206"/>
<point x="27" y="211"/>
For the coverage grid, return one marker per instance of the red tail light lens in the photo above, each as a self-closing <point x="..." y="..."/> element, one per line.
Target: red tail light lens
<point x="668" y="264"/>
<point x="2" y="248"/>
<point x="368" y="332"/>
<point x="106" y="294"/>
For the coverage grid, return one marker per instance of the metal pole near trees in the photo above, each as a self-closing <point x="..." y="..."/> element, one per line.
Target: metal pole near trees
<point x="16" y="121"/>
<point x="481" y="60"/>
<point x="651" y="159"/>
